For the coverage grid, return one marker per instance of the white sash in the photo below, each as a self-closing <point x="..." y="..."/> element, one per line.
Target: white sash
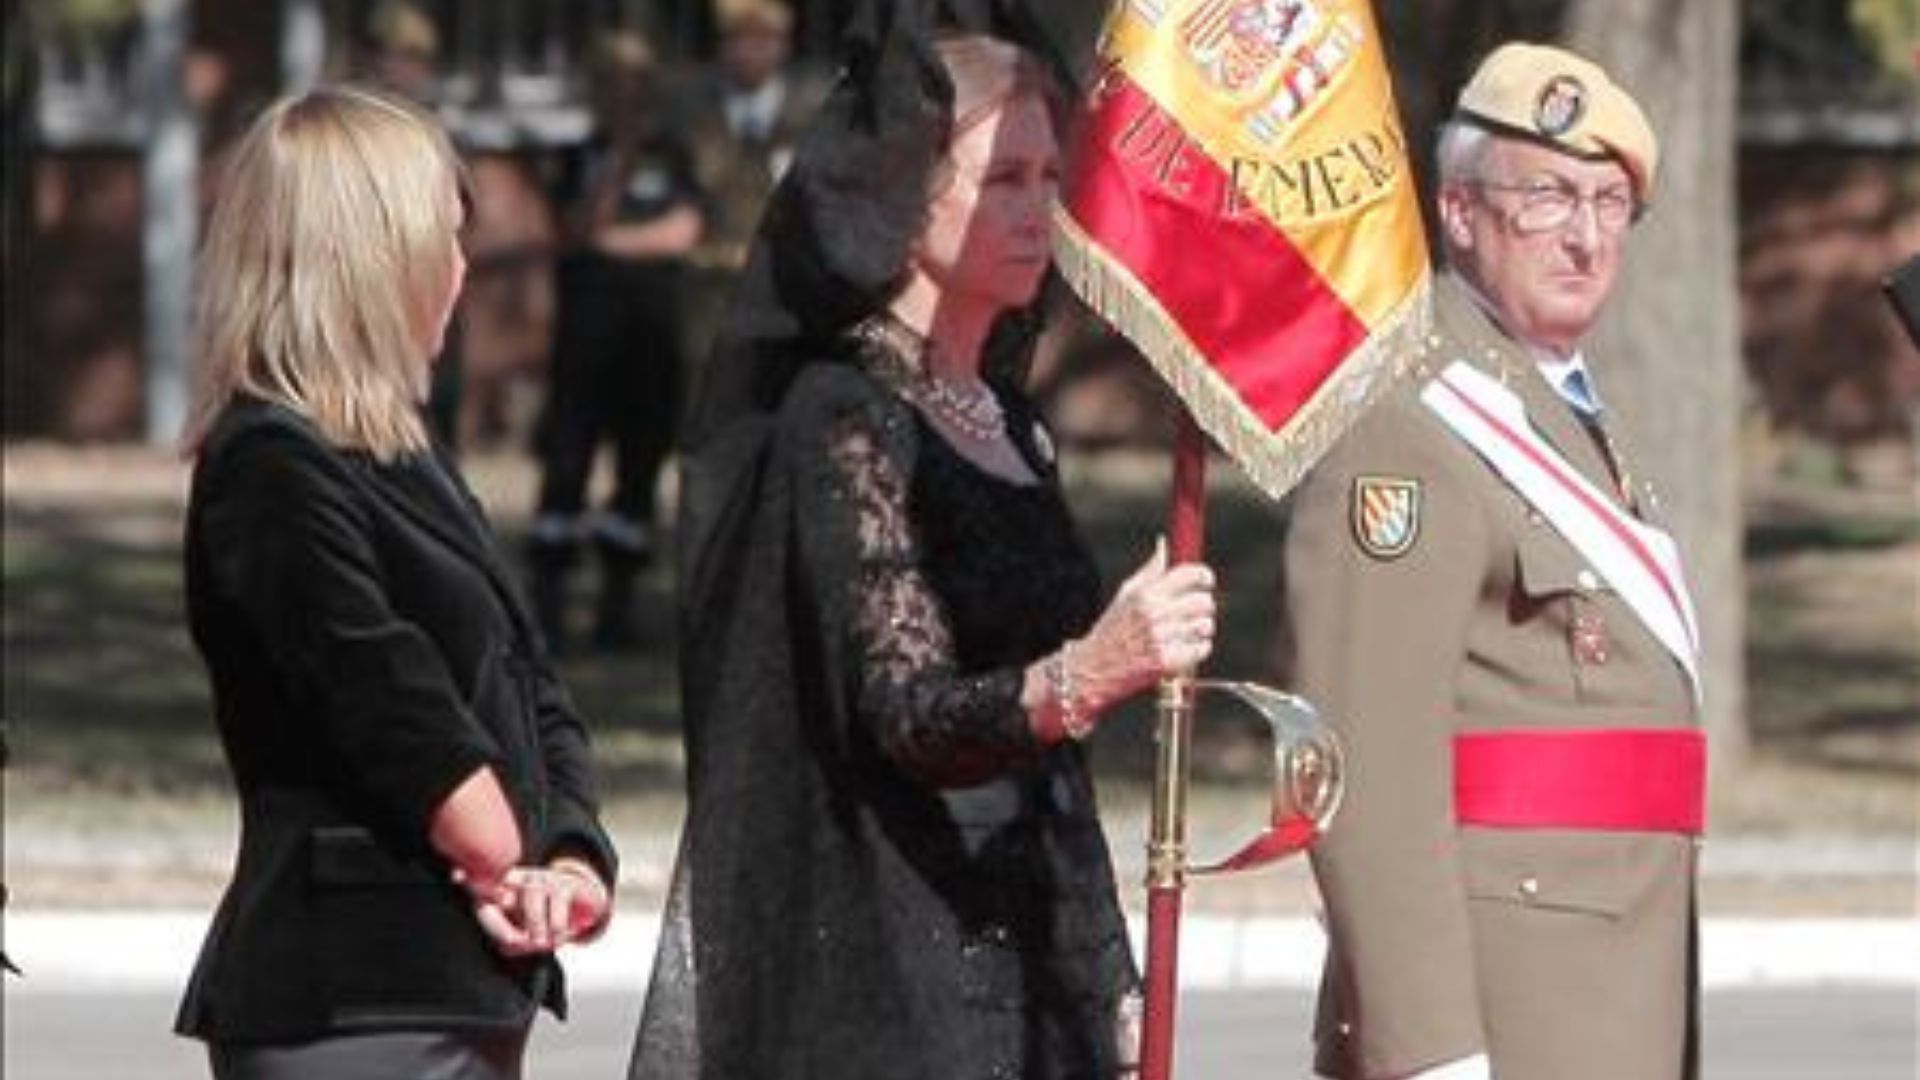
<point x="1642" y="563"/>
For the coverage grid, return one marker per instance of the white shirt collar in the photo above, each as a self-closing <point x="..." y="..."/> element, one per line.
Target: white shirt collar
<point x="1553" y="366"/>
<point x="1558" y="371"/>
<point x="751" y="114"/>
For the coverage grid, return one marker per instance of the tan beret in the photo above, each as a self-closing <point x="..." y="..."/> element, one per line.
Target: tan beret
<point x="745" y="16"/>
<point x="620" y="53"/>
<point x="403" y="28"/>
<point x="1563" y="101"/>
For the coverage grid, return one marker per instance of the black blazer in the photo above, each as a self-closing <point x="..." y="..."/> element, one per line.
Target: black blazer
<point x="368" y="650"/>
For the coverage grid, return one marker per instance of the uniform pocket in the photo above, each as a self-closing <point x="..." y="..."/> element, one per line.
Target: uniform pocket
<point x="1549" y="566"/>
<point x="1599" y="874"/>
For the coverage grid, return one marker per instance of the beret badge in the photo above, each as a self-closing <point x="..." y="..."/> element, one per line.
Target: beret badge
<point x="1562" y="102"/>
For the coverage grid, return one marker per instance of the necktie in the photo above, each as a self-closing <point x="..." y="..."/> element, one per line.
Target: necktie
<point x="1577" y="389"/>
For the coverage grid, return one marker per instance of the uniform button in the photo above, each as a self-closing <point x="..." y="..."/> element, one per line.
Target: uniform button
<point x="1534" y="518"/>
<point x="1529" y="889"/>
<point x="1587" y="580"/>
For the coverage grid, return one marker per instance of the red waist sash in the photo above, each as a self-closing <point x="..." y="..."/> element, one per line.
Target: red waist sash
<point x="1631" y="780"/>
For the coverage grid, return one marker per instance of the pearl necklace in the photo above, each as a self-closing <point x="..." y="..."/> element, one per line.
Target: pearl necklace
<point x="968" y="408"/>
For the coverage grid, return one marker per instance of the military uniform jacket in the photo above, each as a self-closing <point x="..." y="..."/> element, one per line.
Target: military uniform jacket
<point x="1564" y="954"/>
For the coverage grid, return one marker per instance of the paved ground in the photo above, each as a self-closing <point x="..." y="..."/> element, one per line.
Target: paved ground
<point x="1824" y="1033"/>
<point x="110" y="952"/>
<point x="1788" y="999"/>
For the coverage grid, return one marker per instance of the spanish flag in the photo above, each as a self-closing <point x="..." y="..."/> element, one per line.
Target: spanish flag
<point x="1239" y="204"/>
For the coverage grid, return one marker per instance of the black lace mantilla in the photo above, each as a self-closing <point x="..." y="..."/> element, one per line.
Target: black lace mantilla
<point x="886" y="873"/>
<point x="960" y="578"/>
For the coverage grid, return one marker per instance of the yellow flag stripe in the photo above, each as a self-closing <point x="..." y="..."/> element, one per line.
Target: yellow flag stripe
<point x="1311" y="139"/>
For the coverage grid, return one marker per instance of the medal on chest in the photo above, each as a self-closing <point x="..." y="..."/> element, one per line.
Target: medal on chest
<point x="1587" y="634"/>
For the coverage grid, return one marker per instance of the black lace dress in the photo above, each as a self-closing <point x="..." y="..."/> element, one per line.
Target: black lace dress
<point x="884" y="873"/>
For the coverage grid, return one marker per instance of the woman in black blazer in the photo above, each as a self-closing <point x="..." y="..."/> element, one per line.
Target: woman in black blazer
<point x="418" y="826"/>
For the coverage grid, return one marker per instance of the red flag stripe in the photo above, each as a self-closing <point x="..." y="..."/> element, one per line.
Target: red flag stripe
<point x="1250" y="300"/>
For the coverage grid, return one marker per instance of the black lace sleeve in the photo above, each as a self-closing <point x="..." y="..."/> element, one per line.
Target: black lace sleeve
<point x="948" y="726"/>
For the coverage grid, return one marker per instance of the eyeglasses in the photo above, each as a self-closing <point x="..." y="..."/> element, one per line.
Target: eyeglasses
<point x="1549" y="203"/>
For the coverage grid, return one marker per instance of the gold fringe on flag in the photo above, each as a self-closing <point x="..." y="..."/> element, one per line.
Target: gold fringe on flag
<point x="1273" y="460"/>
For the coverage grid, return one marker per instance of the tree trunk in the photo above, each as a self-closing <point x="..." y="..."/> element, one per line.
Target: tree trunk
<point x="19" y="82"/>
<point x="1668" y="351"/>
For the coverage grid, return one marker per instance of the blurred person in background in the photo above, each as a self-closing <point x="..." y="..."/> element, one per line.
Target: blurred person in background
<point x="629" y="211"/>
<point x="742" y="118"/>
<point x="404" y="51"/>
<point x="404" y="54"/>
<point x="1486" y="610"/>
<point x="894" y="637"/>
<point x="418" y="827"/>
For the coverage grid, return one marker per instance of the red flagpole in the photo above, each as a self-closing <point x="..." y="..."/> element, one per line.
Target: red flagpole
<point x="1167" y="840"/>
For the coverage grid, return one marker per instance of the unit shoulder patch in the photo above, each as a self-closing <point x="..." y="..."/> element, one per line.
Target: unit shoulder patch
<point x="1386" y="515"/>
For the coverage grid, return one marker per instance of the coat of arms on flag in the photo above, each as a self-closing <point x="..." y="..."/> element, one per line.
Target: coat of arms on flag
<point x="1240" y="206"/>
<point x="1252" y="48"/>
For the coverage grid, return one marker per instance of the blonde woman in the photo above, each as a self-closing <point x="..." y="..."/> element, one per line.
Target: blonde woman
<point x="418" y="828"/>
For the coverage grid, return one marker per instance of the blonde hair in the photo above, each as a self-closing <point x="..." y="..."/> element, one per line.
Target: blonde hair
<point x="748" y="16"/>
<point x="987" y="74"/>
<point x="327" y="257"/>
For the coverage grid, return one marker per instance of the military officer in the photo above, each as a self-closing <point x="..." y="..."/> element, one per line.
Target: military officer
<point x="1484" y="605"/>
<point x="743" y="119"/>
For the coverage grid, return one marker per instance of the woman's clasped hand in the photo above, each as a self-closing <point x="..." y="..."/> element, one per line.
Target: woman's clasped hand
<point x="537" y="909"/>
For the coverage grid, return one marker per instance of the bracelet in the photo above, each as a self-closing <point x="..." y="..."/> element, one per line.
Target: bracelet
<point x="1066" y="695"/>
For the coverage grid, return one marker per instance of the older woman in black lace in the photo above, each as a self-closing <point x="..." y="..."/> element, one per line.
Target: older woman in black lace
<point x="895" y="641"/>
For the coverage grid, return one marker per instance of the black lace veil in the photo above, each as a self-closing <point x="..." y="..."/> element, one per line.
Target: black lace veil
<point x="831" y="250"/>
